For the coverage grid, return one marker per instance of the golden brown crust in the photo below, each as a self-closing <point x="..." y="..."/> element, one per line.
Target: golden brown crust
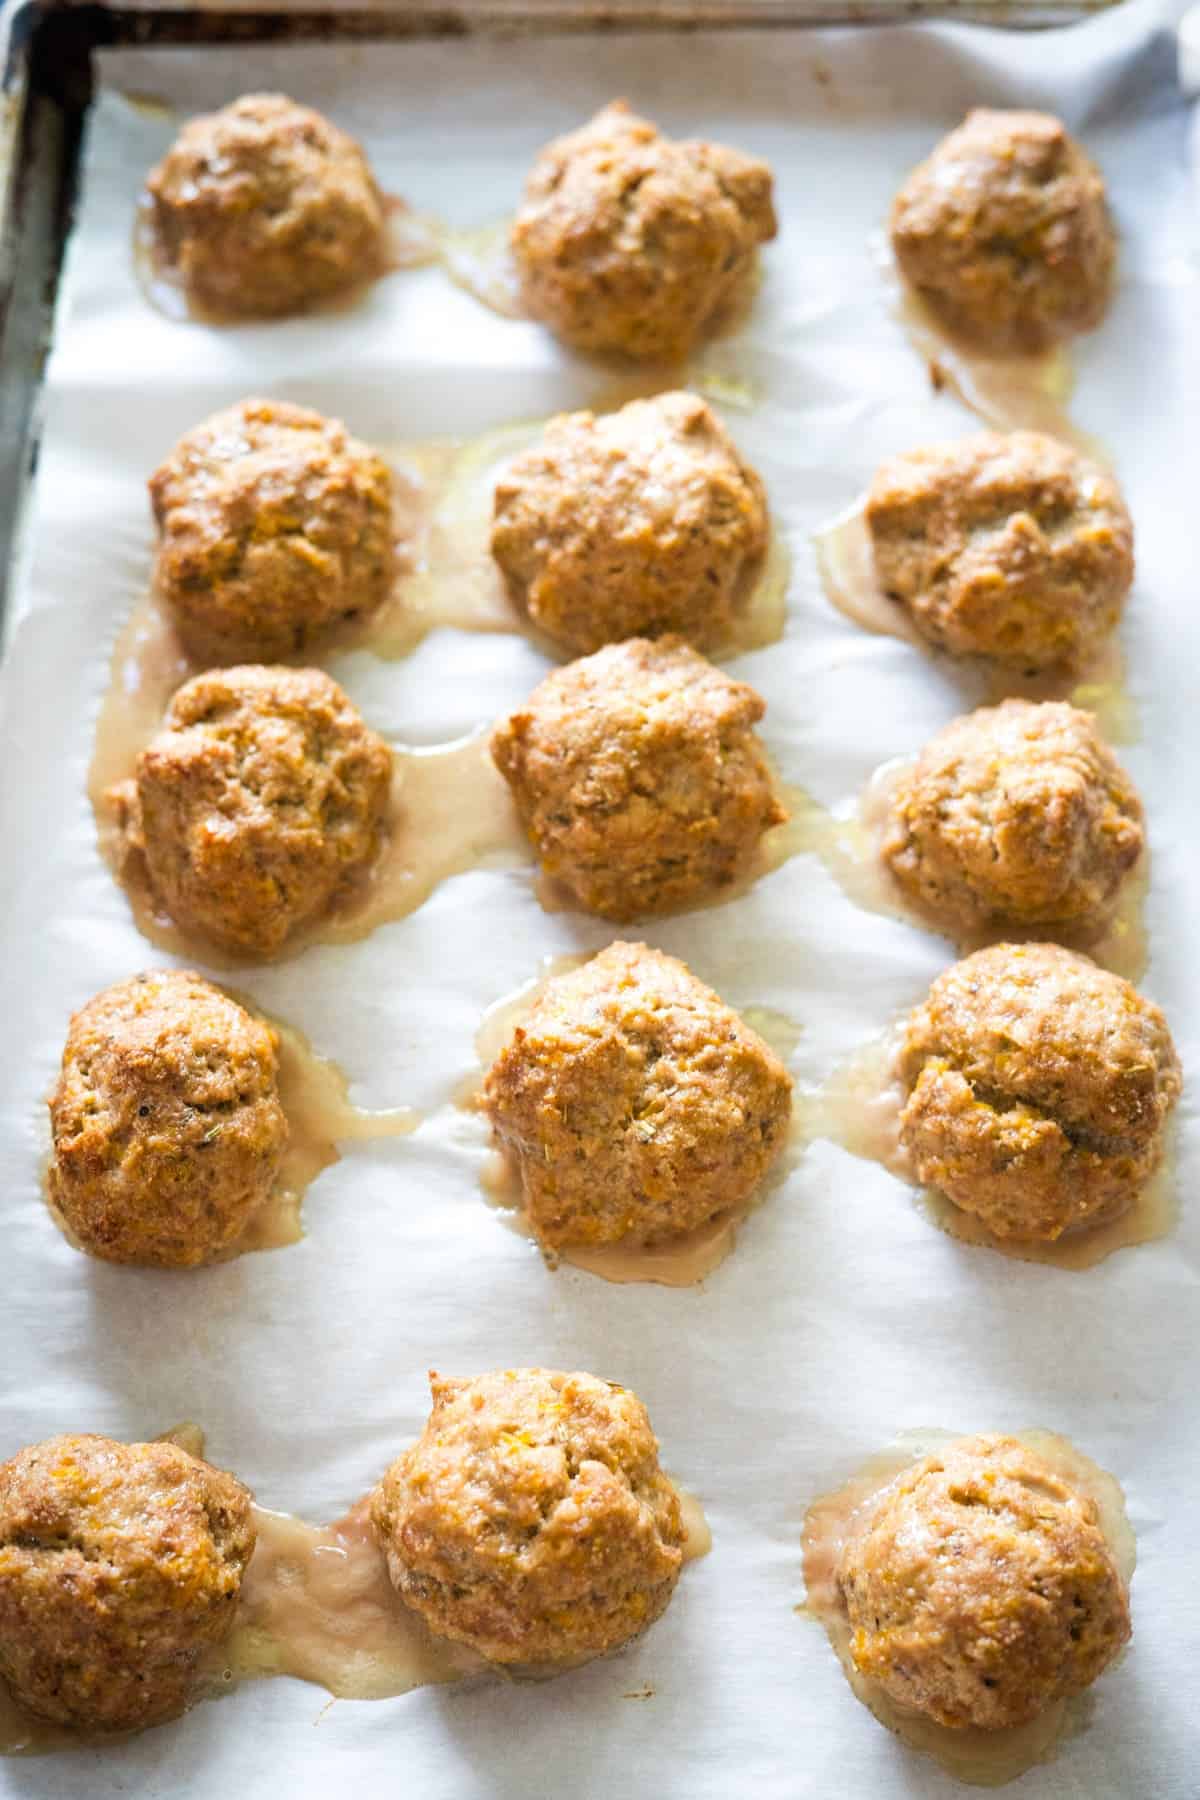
<point x="263" y="797"/>
<point x="1039" y="1087"/>
<point x="631" y="242"/>
<point x="636" y="1104"/>
<point x="1005" y="232"/>
<point x="168" y="1131"/>
<point x="120" y="1564"/>
<point x="1017" y="814"/>
<point x="982" y="1589"/>
<point x="1009" y="546"/>
<point x="632" y="524"/>
<point x="639" y="777"/>
<point x="276" y="527"/>
<point x="265" y="207"/>
<point x="531" y="1519"/>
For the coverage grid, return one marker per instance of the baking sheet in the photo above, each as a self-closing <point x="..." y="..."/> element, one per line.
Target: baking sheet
<point x="842" y="1316"/>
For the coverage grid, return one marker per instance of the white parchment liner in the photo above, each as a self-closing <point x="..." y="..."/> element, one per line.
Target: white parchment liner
<point x="842" y="1316"/>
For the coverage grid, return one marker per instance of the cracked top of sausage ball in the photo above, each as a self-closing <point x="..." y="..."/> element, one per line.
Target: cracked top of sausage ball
<point x="636" y="1104"/>
<point x="261" y="799"/>
<point x="1009" y="546"/>
<point x="638" y="777"/>
<point x="636" y="523"/>
<point x="982" y="1589"/>
<point x="531" y="1519"/>
<point x="276" y="527"/>
<point x="1039" y="1088"/>
<point x="1015" y="814"/>
<point x="120" y="1565"/>
<point x="167" y="1126"/>
<point x="631" y="242"/>
<point x="265" y="207"/>
<point x="1005" y="232"/>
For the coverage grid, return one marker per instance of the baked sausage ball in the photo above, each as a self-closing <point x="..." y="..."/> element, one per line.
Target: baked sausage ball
<point x="276" y="526"/>
<point x="636" y="1104"/>
<point x="531" y="1519"/>
<point x="1013" y="547"/>
<point x="261" y="798"/>
<point x="629" y="241"/>
<point x="983" y="1590"/>
<point x="120" y="1565"/>
<point x="1015" y="814"/>
<point x="636" y="523"/>
<point x="638" y="777"/>
<point x="1039" y="1088"/>
<point x="168" y="1131"/>
<point x="1005" y="232"/>
<point x="265" y="207"/>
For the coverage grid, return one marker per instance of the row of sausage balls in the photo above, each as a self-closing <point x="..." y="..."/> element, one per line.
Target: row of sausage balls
<point x="532" y="1522"/>
<point x="634" y="1105"/>
<point x="632" y="243"/>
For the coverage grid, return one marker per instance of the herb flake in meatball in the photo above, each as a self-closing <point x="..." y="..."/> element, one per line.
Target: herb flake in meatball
<point x="982" y="1589"/>
<point x="639" y="778"/>
<point x="265" y="207"/>
<point x="1005" y="233"/>
<point x="1012" y="546"/>
<point x="167" y="1127"/>
<point x="531" y="1519"/>
<point x="1017" y="814"/>
<point x="637" y="1105"/>
<point x="276" y="527"/>
<point x="120" y="1565"/>
<point x="258" y="803"/>
<point x="1039" y="1088"/>
<point x="635" y="523"/>
<point x="631" y="242"/>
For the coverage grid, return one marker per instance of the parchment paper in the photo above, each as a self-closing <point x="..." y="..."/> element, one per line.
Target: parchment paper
<point x="843" y="1316"/>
